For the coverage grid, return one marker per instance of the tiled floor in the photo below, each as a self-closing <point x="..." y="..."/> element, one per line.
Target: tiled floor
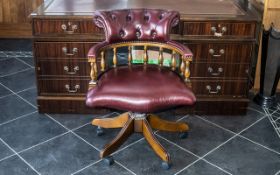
<point x="32" y="143"/>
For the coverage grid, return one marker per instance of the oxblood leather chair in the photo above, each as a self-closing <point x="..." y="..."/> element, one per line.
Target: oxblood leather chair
<point x="139" y="88"/>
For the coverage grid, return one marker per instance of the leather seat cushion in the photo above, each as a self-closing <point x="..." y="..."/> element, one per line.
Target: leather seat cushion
<point x="140" y="89"/>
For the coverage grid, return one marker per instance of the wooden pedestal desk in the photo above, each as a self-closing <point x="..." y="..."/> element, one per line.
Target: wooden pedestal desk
<point x="222" y="34"/>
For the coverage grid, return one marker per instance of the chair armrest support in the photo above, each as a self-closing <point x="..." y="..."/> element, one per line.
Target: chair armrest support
<point x="186" y="52"/>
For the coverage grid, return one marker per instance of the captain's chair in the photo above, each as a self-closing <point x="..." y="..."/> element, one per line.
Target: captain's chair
<point x="154" y="78"/>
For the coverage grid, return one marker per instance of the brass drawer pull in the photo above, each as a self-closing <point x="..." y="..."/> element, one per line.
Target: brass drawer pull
<point x="65" y="50"/>
<point x="75" y="70"/>
<point x="218" y="88"/>
<point x="218" y="34"/>
<point x="219" y="71"/>
<point x="69" y="28"/>
<point x="76" y="88"/>
<point x="212" y="52"/>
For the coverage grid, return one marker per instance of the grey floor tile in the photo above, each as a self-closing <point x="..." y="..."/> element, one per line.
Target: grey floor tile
<point x="235" y="123"/>
<point x="15" y="166"/>
<point x="12" y="65"/>
<point x="16" y="44"/>
<point x="30" y="95"/>
<point x="202" y="168"/>
<point x="72" y="121"/>
<point x="30" y="130"/>
<point x="141" y="159"/>
<point x="19" y="81"/>
<point x="263" y="133"/>
<point x="102" y="169"/>
<point x="4" y="150"/>
<point x="12" y="107"/>
<point x="63" y="155"/>
<point x="27" y="60"/>
<point x="239" y="156"/>
<point x="202" y="138"/>
<point x="4" y="91"/>
<point x="88" y="132"/>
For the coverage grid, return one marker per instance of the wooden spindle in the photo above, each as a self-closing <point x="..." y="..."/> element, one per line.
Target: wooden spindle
<point x="187" y="71"/>
<point x="145" y="55"/>
<point x="102" y="61"/>
<point x="160" y="57"/>
<point x="93" y="72"/>
<point x="115" y="60"/>
<point x="173" y="60"/>
<point x="129" y="55"/>
<point x="182" y="66"/>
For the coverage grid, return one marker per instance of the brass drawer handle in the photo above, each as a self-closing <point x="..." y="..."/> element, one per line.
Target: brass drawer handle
<point x="65" y="50"/>
<point x="69" y="28"/>
<point x="76" y="88"/>
<point x="75" y="70"/>
<point x="218" y="88"/>
<point x="219" y="71"/>
<point x="219" y="34"/>
<point x="212" y="52"/>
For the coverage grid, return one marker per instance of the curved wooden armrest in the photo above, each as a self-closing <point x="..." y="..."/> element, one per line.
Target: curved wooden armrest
<point x="184" y="49"/>
<point x="94" y="50"/>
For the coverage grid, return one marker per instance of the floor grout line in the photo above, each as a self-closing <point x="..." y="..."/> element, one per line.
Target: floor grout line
<point x="125" y="167"/>
<point x="238" y="134"/>
<point x="188" y="151"/>
<point x="24" y="62"/>
<point x="32" y="87"/>
<point x="50" y="139"/>
<point x="20" y="157"/>
<point x="87" y="167"/>
<point x="22" y="116"/>
<point x="16" y="72"/>
<point x="214" y="149"/>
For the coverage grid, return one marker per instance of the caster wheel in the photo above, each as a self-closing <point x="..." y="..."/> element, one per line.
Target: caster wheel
<point x="165" y="165"/>
<point x="109" y="160"/>
<point x="183" y="135"/>
<point x="99" y="131"/>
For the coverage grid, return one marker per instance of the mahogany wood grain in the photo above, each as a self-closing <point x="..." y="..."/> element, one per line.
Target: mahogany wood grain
<point x="125" y="132"/>
<point x="116" y="122"/>
<point x="14" y="22"/>
<point x="164" y="125"/>
<point x="62" y="50"/>
<point x="56" y="87"/>
<point x="54" y="27"/>
<point x="233" y="52"/>
<point x="219" y="70"/>
<point x="232" y="28"/>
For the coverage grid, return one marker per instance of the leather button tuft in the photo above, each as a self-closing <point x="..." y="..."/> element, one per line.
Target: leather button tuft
<point x="128" y="18"/>
<point x="138" y="33"/>
<point x="122" y="33"/>
<point x="153" y="34"/>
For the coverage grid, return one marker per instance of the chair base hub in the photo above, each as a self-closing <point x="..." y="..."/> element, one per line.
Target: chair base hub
<point x="144" y="123"/>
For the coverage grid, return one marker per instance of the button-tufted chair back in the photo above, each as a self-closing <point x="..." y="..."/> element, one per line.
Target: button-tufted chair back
<point x="136" y="24"/>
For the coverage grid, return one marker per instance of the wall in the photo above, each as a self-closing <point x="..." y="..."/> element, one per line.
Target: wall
<point x="14" y="22"/>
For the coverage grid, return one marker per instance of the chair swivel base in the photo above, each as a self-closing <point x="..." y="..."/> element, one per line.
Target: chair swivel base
<point x="144" y="123"/>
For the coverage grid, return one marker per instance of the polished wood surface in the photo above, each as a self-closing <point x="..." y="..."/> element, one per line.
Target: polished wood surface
<point x="143" y="124"/>
<point x="221" y="34"/>
<point x="14" y="22"/>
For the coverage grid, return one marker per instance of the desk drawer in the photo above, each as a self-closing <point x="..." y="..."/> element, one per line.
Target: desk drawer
<point x="225" y="52"/>
<point x="64" y="27"/>
<point x="62" y="49"/>
<point x="73" y="87"/>
<point x="220" y="29"/>
<point x="53" y="67"/>
<point x="221" y="88"/>
<point x="219" y="70"/>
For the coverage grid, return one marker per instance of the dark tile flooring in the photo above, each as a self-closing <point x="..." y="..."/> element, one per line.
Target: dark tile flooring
<point x="56" y="144"/>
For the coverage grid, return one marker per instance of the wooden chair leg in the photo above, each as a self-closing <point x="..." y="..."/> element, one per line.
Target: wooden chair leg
<point x="125" y="132"/>
<point x="116" y="122"/>
<point x="164" y="125"/>
<point x="154" y="143"/>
